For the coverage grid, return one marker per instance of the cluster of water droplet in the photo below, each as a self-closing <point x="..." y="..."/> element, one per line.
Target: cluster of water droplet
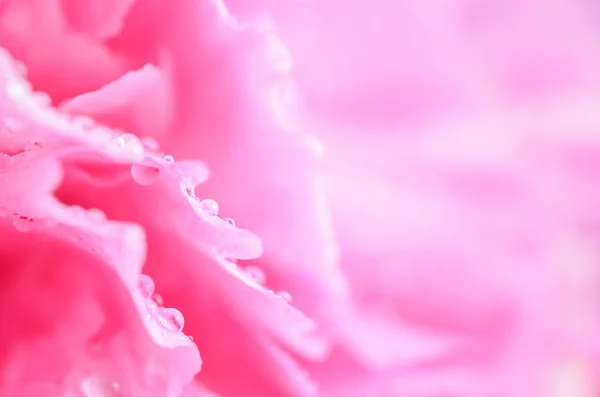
<point x="170" y="319"/>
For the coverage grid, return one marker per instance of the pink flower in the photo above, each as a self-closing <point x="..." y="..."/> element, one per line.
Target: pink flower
<point x="460" y="181"/>
<point x="438" y="241"/>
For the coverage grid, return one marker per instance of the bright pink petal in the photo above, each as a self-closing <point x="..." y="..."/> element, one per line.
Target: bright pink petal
<point x="59" y="61"/>
<point x="77" y="318"/>
<point x="96" y="18"/>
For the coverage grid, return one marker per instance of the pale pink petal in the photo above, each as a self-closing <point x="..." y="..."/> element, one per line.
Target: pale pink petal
<point x="262" y="319"/>
<point x="238" y="134"/>
<point x="183" y="247"/>
<point x="138" y="102"/>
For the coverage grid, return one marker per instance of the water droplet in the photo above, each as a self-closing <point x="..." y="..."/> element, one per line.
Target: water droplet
<point x="96" y="215"/>
<point x="151" y="307"/>
<point x="100" y="386"/>
<point x="126" y="139"/>
<point x="171" y="319"/>
<point x="209" y="206"/>
<point x="285" y="296"/>
<point x="22" y="223"/>
<point x="169" y="158"/>
<point x="230" y="221"/>
<point x="255" y="274"/>
<point x="150" y="143"/>
<point x="145" y="285"/>
<point x="144" y="175"/>
<point x="158" y="299"/>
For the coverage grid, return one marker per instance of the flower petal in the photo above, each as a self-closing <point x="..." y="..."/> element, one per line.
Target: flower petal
<point x="72" y="244"/>
<point x="98" y="19"/>
<point x="60" y="62"/>
<point x="138" y="102"/>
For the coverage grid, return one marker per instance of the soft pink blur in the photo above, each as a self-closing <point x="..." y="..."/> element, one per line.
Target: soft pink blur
<point x="285" y="198"/>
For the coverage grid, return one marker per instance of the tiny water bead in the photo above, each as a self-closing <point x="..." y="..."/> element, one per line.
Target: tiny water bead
<point x="151" y="307"/>
<point x="255" y="274"/>
<point x="230" y="221"/>
<point x="158" y="299"/>
<point x="171" y="319"/>
<point x="96" y="215"/>
<point x="168" y="158"/>
<point x="150" y="143"/>
<point x="145" y="285"/>
<point x="22" y="223"/>
<point x="286" y="296"/>
<point x="210" y="207"/>
<point x="126" y="139"/>
<point x="144" y="175"/>
<point x="100" y="386"/>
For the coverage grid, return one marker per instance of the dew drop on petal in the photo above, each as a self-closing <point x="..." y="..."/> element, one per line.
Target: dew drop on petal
<point x="96" y="215"/>
<point x="285" y="296"/>
<point x="151" y="307"/>
<point x="145" y="285"/>
<point x="22" y="223"/>
<point x="144" y="175"/>
<point x="126" y="139"/>
<point x="168" y="158"/>
<point x="255" y="274"/>
<point x="158" y="299"/>
<point x="209" y="206"/>
<point x="230" y="221"/>
<point x="150" y="143"/>
<point x="100" y="386"/>
<point x="171" y="320"/>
